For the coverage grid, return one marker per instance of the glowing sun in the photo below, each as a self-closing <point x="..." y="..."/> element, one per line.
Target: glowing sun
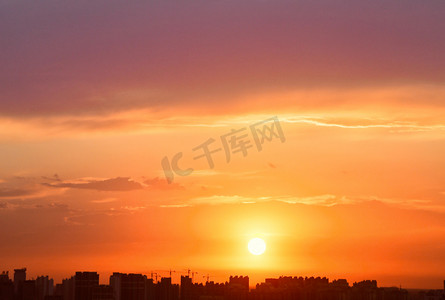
<point x="256" y="246"/>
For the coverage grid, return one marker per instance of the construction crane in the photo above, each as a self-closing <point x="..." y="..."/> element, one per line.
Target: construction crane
<point x="207" y="277"/>
<point x="191" y="272"/>
<point x="170" y="271"/>
<point x="156" y="276"/>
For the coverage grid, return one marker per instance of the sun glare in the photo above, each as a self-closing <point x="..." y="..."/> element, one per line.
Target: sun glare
<point x="256" y="246"/>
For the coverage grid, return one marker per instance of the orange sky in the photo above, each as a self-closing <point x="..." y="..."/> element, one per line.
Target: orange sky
<point x="93" y="97"/>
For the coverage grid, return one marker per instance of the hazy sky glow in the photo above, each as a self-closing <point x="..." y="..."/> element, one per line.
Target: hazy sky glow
<point x="94" y="94"/>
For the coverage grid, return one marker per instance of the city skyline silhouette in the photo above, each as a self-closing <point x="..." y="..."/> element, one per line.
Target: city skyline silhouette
<point x="122" y="286"/>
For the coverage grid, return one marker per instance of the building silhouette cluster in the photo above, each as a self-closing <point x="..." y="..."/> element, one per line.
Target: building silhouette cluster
<point x="85" y="286"/>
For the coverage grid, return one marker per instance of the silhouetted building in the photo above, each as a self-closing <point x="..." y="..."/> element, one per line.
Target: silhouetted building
<point x="281" y="288"/>
<point x="364" y="290"/>
<point x="19" y="277"/>
<point x="198" y="291"/>
<point x="214" y="291"/>
<point x="165" y="290"/>
<point x="392" y="293"/>
<point x="186" y="288"/>
<point x="66" y="289"/>
<point x="84" y="283"/>
<point x="342" y="283"/>
<point x="238" y="288"/>
<point x="44" y="287"/>
<point x="27" y="290"/>
<point x="6" y="287"/>
<point x="150" y="291"/>
<point x="58" y="289"/>
<point x="339" y="290"/>
<point x="128" y="286"/>
<point x="103" y="292"/>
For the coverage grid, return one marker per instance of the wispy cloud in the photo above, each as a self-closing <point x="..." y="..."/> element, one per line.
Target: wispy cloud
<point x="22" y="188"/>
<point x="399" y="126"/>
<point x="112" y="184"/>
<point x="106" y="200"/>
<point x="327" y="200"/>
<point x="162" y="184"/>
<point x="324" y="200"/>
<point x="174" y="205"/>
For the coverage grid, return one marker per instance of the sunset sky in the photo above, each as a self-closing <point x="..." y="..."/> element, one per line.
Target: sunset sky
<point x="94" y="94"/>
